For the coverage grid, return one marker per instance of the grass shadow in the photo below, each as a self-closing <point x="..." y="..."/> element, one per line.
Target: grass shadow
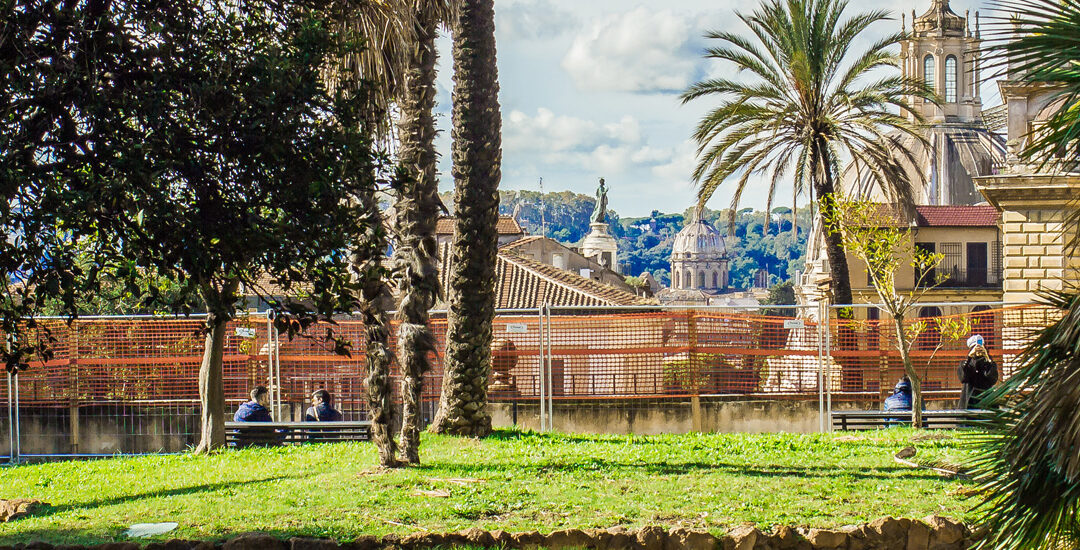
<point x="179" y="491"/>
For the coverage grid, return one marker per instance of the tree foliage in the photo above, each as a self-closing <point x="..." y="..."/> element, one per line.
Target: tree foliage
<point x="872" y="233"/>
<point x="811" y="96"/>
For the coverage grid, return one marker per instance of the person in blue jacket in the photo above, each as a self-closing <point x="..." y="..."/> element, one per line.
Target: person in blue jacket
<point x="257" y="409"/>
<point x="321" y="410"/>
<point x="900" y="400"/>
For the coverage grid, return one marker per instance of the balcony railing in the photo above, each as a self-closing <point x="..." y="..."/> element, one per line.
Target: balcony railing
<point x="957" y="277"/>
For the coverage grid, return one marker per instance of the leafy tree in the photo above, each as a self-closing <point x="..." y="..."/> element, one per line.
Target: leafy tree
<point x="869" y="231"/>
<point x="477" y="171"/>
<point x="240" y="164"/>
<point x="782" y="294"/>
<point x="811" y="98"/>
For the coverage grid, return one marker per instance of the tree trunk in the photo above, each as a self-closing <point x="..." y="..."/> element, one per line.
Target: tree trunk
<point x="834" y="242"/>
<point x="211" y="380"/>
<point x="417" y="209"/>
<point x="374" y="294"/>
<point x="477" y="164"/>
<point x="909" y="369"/>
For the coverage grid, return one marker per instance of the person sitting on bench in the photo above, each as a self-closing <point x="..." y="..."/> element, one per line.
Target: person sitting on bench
<point x="321" y="410"/>
<point x="900" y="400"/>
<point x="255" y="410"/>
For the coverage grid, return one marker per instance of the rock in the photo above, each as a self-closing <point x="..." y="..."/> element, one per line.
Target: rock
<point x="569" y="538"/>
<point x="254" y="541"/>
<point x="501" y="538"/>
<point x="204" y="545"/>
<point x="742" y="538"/>
<point x="477" y="537"/>
<point x="786" y="538"/>
<point x="650" y="538"/>
<point x="945" y="530"/>
<point x="308" y="543"/>
<point x="39" y="545"/>
<point x="619" y="539"/>
<point x="174" y="544"/>
<point x="364" y="542"/>
<point x="118" y="546"/>
<point x="826" y="538"/>
<point x="679" y="538"/>
<point x="11" y="510"/>
<point x="528" y="539"/>
<point x="918" y="536"/>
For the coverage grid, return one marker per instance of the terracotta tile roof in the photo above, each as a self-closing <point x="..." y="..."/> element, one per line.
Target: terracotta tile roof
<point x="944" y="216"/>
<point x="507" y="226"/>
<point x="521" y="242"/>
<point x="957" y="216"/>
<point x="522" y="282"/>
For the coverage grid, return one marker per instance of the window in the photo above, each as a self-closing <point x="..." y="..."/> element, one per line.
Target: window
<point x="950" y="79"/>
<point x="926" y="274"/>
<point x="715" y="279"/>
<point x="701" y="279"/>
<point x="688" y="280"/>
<point x="929" y="71"/>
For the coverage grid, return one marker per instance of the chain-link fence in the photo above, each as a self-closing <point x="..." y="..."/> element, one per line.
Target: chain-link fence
<point x="130" y="384"/>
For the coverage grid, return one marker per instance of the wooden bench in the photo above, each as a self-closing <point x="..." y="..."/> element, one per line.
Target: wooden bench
<point x="937" y="419"/>
<point x="270" y="434"/>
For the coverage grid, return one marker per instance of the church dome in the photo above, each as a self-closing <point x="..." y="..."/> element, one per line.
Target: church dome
<point x="699" y="239"/>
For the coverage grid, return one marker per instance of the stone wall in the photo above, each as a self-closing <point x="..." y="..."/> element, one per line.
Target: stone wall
<point x="1034" y="253"/>
<point x="679" y="415"/>
<point x="931" y="533"/>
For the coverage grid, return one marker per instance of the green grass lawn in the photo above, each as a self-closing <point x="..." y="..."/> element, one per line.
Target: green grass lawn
<point x="514" y="481"/>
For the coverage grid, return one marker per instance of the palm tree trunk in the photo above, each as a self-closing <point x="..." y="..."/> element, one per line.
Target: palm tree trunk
<point x="834" y="242"/>
<point x="477" y="170"/>
<point x="211" y="378"/>
<point x="417" y="208"/>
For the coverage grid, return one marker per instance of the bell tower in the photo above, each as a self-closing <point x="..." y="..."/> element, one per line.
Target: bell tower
<point x="942" y="51"/>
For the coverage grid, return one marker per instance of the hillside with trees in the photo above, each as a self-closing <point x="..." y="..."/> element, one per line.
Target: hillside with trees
<point x="645" y="243"/>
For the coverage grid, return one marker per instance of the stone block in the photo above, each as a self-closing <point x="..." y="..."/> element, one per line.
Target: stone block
<point x="944" y="530"/>
<point x="827" y="538"/>
<point x="679" y="538"/>
<point x="1013" y="216"/>
<point x="1031" y="250"/>
<point x="1015" y="238"/>
<point x="363" y="542"/>
<point x="254" y="541"/>
<point x="918" y="536"/>
<point x="570" y="538"/>
<point x="1051" y="284"/>
<point x="1034" y="273"/>
<point x="1049" y="239"/>
<point x="527" y="539"/>
<point x="742" y="538"/>
<point x="1052" y="261"/>
<point x="1016" y="261"/>
<point x="307" y="543"/>
<point x="1034" y="227"/>
<point x="1015" y="285"/>
<point x="650" y="538"/>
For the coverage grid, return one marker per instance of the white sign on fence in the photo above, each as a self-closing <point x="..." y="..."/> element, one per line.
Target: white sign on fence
<point x="794" y="323"/>
<point x="245" y="332"/>
<point x="517" y="328"/>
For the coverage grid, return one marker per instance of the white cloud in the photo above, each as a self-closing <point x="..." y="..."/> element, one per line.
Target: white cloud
<point x="637" y="51"/>
<point x="532" y="20"/>
<point x="606" y="148"/>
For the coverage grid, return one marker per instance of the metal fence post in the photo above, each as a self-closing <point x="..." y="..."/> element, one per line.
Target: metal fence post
<point x="17" y="448"/>
<point x="540" y="365"/>
<point x="550" y="375"/>
<point x="828" y="377"/>
<point x="11" y="421"/>
<point x="822" y="322"/>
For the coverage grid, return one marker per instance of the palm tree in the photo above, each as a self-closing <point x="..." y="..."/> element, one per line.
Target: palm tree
<point x="417" y="208"/>
<point x="383" y="31"/>
<point x="1028" y="465"/>
<point x="810" y="102"/>
<point x="477" y="170"/>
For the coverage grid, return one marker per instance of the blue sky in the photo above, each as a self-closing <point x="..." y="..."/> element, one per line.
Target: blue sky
<point x="589" y="89"/>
